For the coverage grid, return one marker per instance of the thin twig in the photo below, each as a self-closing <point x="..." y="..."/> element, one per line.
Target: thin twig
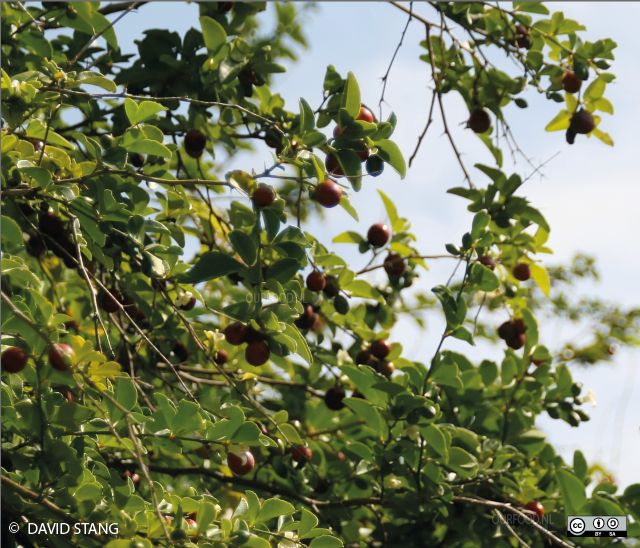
<point x="509" y="528"/>
<point x="429" y="122"/>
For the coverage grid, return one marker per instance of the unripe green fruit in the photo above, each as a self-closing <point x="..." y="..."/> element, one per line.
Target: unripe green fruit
<point x="573" y="419"/>
<point x="341" y="304"/>
<point x="178" y="535"/>
<point x="467" y="241"/>
<point x="581" y="70"/>
<point x="241" y="537"/>
<point x="106" y="141"/>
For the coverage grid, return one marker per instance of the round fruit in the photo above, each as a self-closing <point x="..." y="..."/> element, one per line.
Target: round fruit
<point x="110" y="301"/>
<point x="247" y="76"/>
<point x="221" y="357"/>
<point x="301" y="452"/>
<point x="136" y="160"/>
<point x="195" y="142"/>
<point x="235" y="333"/>
<point x="374" y="165"/>
<point x="61" y="356"/>
<point x="257" y="353"/>
<point x="341" y="304"/>
<point x="488" y="261"/>
<point x="181" y="352"/>
<point x="263" y="196"/>
<point x="333" y="166"/>
<point x="65" y="392"/>
<point x="362" y="357"/>
<point x="570" y="83"/>
<point x="394" y="265"/>
<point x="337" y="131"/>
<point x="242" y="464"/>
<point x="252" y="335"/>
<point x="135" y="478"/>
<point x="516" y="342"/>
<point x="378" y="235"/>
<point x="380" y="348"/>
<point x="307" y="318"/>
<point x="106" y="141"/>
<point x="332" y="287"/>
<point x="386" y="368"/>
<point x="14" y="359"/>
<point x="538" y="363"/>
<point x="582" y="122"/>
<point x="535" y="507"/>
<point x="506" y="331"/>
<point x="341" y="456"/>
<point x="316" y="281"/>
<point x="363" y="154"/>
<point x="51" y="225"/>
<point x="189" y="306"/>
<point x="333" y="398"/>
<point x="191" y="523"/>
<point x="365" y="115"/>
<point x="522" y="272"/>
<point x="328" y="194"/>
<point x="523" y="39"/>
<point x="479" y="121"/>
<point x="273" y="139"/>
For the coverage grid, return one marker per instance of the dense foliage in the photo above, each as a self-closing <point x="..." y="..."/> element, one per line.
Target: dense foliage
<point x="253" y="395"/>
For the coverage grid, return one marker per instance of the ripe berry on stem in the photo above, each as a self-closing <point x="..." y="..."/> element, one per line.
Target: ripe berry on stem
<point x="257" y="353"/>
<point x="535" y="507"/>
<point x="488" y="261"/>
<point x="241" y="464"/>
<point x="386" y="368"/>
<point x="110" y="300"/>
<point x="333" y="398"/>
<point x="571" y="83"/>
<point x="362" y="357"/>
<point x="316" y="281"/>
<point x="523" y="38"/>
<point x="221" y="356"/>
<point x="328" y="194"/>
<point x="479" y="121"/>
<point x="333" y="166"/>
<point x="301" y="452"/>
<point x="235" y="333"/>
<point x="380" y="348"/>
<point x="522" y="272"/>
<point x="307" y="318"/>
<point x="582" y="122"/>
<point x="263" y="196"/>
<point x="14" y="359"/>
<point x="61" y="356"/>
<point x="189" y="306"/>
<point x="51" y="225"/>
<point x="181" y="352"/>
<point x="378" y="234"/>
<point x="332" y="287"/>
<point x="365" y="115"/>
<point x="394" y="265"/>
<point x="195" y="142"/>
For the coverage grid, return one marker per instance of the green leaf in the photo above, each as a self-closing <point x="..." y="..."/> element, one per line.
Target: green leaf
<point x="244" y="246"/>
<point x="283" y="270"/>
<point x="10" y="231"/>
<point x="116" y="158"/>
<point x="291" y="433"/>
<point x="307" y="119"/>
<point x="292" y="234"/>
<point x="463" y="334"/>
<point x="349" y="238"/>
<point x="365" y="410"/>
<point x="206" y="514"/>
<point x="462" y="463"/>
<point x="541" y="277"/>
<point x="326" y="541"/>
<point x="389" y="206"/>
<point x="302" y="347"/>
<point x="351" y="96"/>
<point x="531" y="7"/>
<point x="572" y="490"/>
<point x="187" y="418"/>
<point x="41" y="176"/>
<point x="273" y="508"/>
<point x="213" y="33"/>
<point x="307" y="522"/>
<point x="345" y="204"/>
<point x="96" y="79"/>
<point x="483" y="278"/>
<point x="390" y="153"/>
<point x="595" y="90"/>
<point x="125" y="393"/>
<point x="435" y="438"/>
<point x="247" y="433"/>
<point x="210" y="266"/>
<point x="362" y="288"/>
<point x="560" y="122"/>
<point x="604" y="137"/>
<point x="147" y="110"/>
<point x="147" y="146"/>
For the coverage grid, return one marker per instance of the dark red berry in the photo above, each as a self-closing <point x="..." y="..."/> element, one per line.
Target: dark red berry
<point x="61" y="356"/>
<point x="110" y="300"/>
<point x="316" y="281"/>
<point x="378" y="235"/>
<point x="333" y="398"/>
<point x="235" y="333"/>
<point x="571" y="83"/>
<point x="488" y="261"/>
<point x="257" y="353"/>
<point x="14" y="359"/>
<point x="362" y="357"/>
<point x="380" y="348"/>
<point x="301" y="453"/>
<point x="241" y="464"/>
<point x="189" y="306"/>
<point x="221" y="357"/>
<point x="263" y="196"/>
<point x="136" y="160"/>
<point x="307" y="318"/>
<point x="582" y="122"/>
<point x="328" y="194"/>
<point x="516" y="342"/>
<point x="386" y="368"/>
<point x="195" y="142"/>
<point x="365" y="115"/>
<point x="333" y="166"/>
<point x="394" y="265"/>
<point x="535" y="507"/>
<point x="479" y="121"/>
<point x="522" y="38"/>
<point x="332" y="287"/>
<point x="522" y="272"/>
<point x="66" y="393"/>
<point x="51" y="225"/>
<point x="181" y="352"/>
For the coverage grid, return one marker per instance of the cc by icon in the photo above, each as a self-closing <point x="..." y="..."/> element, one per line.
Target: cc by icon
<point x="577" y="526"/>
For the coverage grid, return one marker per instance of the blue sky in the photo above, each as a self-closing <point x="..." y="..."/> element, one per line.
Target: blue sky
<point x="590" y="195"/>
